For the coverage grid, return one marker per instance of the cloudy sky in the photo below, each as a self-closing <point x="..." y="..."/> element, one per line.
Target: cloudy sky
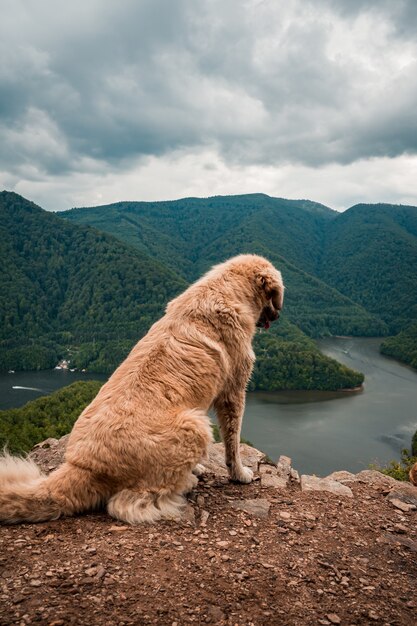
<point x="161" y="99"/>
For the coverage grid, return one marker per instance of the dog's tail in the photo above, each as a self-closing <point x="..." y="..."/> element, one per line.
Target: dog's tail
<point x="27" y="495"/>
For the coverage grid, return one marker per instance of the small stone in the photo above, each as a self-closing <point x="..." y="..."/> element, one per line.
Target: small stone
<point x="314" y="483"/>
<point x="402" y="506"/>
<point x="222" y="544"/>
<point x="294" y="475"/>
<point x="258" y="507"/>
<point x="341" y="476"/>
<point x="91" y="571"/>
<point x="285" y="515"/>
<point x="35" y="582"/>
<point x="333" y="618"/>
<point x="188" y="514"/>
<point x="372" y="615"/>
<point x="200" y="500"/>
<point x="215" y="614"/>
<point x="204" y="517"/>
<point x="375" y="479"/>
<point x="399" y="528"/>
<point x="119" y="529"/>
<point x="272" y="480"/>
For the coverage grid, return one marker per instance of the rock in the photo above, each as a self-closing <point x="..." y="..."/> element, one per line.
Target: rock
<point x="333" y="618"/>
<point x="215" y="462"/>
<point x="314" y="483"/>
<point x="270" y="478"/>
<point x="199" y="500"/>
<point x="403" y="506"/>
<point x="341" y="476"/>
<point x="204" y="517"/>
<point x="400" y="528"/>
<point x="257" y="508"/>
<point x="295" y="476"/>
<point x="188" y="514"/>
<point x="399" y="539"/>
<point x="215" y="614"/>
<point x="405" y="492"/>
<point x="119" y="529"/>
<point x="284" y="467"/>
<point x="49" y="454"/>
<point x="375" y="479"/>
<point x="251" y="457"/>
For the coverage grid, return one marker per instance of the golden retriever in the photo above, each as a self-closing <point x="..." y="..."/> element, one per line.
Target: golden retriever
<point x="136" y="445"/>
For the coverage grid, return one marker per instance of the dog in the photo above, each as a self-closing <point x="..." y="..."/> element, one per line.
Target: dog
<point x="135" y="446"/>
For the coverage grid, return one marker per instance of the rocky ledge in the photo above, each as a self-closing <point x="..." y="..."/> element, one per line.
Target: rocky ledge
<point x="286" y="549"/>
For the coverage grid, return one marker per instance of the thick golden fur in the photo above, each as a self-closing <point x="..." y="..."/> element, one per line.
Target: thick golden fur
<point x="135" y="446"/>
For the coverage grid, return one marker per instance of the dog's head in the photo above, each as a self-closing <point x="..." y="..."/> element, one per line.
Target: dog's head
<point x="270" y="290"/>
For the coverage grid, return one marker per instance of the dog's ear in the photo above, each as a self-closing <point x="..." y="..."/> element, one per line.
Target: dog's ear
<point x="272" y="289"/>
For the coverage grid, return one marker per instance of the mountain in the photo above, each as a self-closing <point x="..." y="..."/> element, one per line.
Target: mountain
<point x="190" y="235"/>
<point x="185" y="233"/>
<point x="72" y="286"/>
<point x="75" y="292"/>
<point x="370" y="255"/>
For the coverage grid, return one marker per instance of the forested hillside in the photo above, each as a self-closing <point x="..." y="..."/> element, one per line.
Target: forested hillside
<point x="66" y="287"/>
<point x="192" y="234"/>
<point x="72" y="291"/>
<point x="48" y="416"/>
<point x="351" y="273"/>
<point x="370" y="255"/>
<point x="403" y="346"/>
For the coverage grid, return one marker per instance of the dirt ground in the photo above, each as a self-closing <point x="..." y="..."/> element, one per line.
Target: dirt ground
<point x="312" y="558"/>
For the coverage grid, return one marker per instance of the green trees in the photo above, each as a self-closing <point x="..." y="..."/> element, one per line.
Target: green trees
<point x="70" y="291"/>
<point x="403" y="346"/>
<point x="284" y="364"/>
<point x="191" y="234"/>
<point x="48" y="416"/>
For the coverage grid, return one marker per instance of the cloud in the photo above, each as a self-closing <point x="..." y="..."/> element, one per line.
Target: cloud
<point x="203" y="173"/>
<point x="96" y="89"/>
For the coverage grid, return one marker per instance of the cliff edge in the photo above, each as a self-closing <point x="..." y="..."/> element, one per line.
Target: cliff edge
<point x="284" y="550"/>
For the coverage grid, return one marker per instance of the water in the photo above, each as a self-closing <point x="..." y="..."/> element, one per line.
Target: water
<point x="327" y="431"/>
<point x="321" y="431"/>
<point x="21" y="387"/>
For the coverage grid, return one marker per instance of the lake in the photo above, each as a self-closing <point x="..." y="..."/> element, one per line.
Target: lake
<point x="321" y="431"/>
<point x="327" y="431"/>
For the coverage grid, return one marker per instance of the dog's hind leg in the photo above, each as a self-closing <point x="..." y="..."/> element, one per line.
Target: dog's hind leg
<point x="169" y="474"/>
<point x="136" y="507"/>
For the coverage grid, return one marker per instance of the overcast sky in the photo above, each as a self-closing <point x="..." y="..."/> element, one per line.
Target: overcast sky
<point x="162" y="99"/>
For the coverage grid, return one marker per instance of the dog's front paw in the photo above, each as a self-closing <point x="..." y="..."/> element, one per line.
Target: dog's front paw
<point x="242" y="475"/>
